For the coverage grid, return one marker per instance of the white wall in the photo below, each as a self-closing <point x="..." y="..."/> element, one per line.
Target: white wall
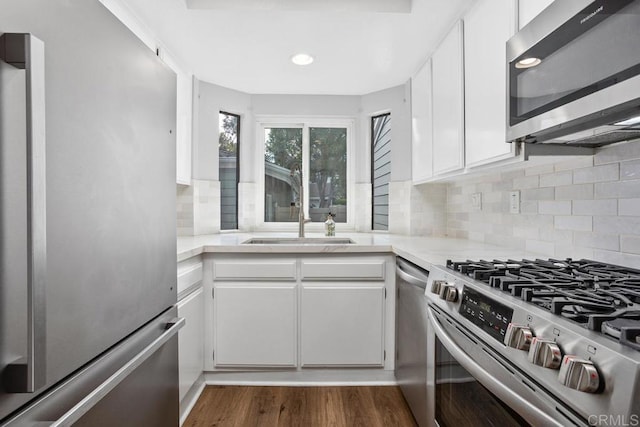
<point x="395" y="100"/>
<point x="209" y="100"/>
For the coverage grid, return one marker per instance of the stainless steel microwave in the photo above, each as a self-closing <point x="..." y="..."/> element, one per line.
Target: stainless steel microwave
<point x="574" y="75"/>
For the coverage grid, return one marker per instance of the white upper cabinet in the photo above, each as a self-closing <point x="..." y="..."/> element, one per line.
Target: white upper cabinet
<point x="448" y="102"/>
<point x="421" y="125"/>
<point x="529" y="9"/>
<point x="487" y="28"/>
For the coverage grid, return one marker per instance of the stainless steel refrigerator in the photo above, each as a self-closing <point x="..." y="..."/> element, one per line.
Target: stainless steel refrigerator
<point x="87" y="221"/>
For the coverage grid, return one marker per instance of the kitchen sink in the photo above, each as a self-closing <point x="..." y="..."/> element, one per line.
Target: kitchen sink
<point x="298" y="241"/>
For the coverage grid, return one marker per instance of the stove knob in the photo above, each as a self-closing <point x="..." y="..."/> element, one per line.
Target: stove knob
<point x="579" y="374"/>
<point x="518" y="336"/>
<point x="436" y="285"/>
<point x="545" y="353"/>
<point x="449" y="293"/>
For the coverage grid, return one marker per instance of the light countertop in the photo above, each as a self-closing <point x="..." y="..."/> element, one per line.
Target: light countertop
<point x="424" y="251"/>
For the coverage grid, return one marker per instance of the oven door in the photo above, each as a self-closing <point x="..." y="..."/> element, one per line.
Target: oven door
<point x="470" y="384"/>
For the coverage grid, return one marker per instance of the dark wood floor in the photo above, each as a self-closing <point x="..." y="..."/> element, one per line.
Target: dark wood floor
<point x="300" y="406"/>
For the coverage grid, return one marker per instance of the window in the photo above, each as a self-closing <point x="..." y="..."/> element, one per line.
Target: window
<point x="229" y="170"/>
<point x="320" y="149"/>
<point x="380" y="170"/>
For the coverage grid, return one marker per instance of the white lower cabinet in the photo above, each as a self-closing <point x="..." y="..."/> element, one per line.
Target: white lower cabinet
<point x="342" y="324"/>
<point x="190" y="340"/>
<point x="255" y="324"/>
<point x="310" y="311"/>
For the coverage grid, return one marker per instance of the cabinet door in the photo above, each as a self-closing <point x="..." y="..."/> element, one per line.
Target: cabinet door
<point x="448" y="98"/>
<point x="487" y="27"/>
<point x="421" y="125"/>
<point x="255" y="324"/>
<point x="191" y="340"/>
<point x="529" y="9"/>
<point x="342" y="324"/>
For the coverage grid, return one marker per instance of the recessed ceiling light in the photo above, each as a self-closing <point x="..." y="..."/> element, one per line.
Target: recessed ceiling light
<point x="302" y="59"/>
<point x="528" y="62"/>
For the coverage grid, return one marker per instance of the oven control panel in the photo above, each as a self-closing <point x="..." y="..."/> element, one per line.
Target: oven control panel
<point x="489" y="315"/>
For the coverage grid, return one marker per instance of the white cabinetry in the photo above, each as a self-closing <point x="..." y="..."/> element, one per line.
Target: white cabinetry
<point x="190" y="340"/>
<point x="487" y="27"/>
<point x="255" y="311"/>
<point x="421" y="125"/>
<point x="529" y="9"/>
<point x="191" y="337"/>
<point x="255" y="324"/>
<point x="448" y="102"/>
<point x="342" y="311"/>
<point x="301" y="311"/>
<point x="342" y="324"/>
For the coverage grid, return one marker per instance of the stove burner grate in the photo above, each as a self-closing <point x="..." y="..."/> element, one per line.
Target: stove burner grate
<point x="591" y="293"/>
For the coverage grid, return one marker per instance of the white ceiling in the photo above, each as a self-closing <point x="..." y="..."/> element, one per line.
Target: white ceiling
<point x="248" y="47"/>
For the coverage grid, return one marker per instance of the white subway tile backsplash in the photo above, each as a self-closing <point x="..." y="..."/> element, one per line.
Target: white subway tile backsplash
<point x="554" y="207"/>
<point x="630" y="244"/>
<point x="610" y="172"/>
<point x="617" y="190"/>
<point x="574" y="163"/>
<point x="595" y="207"/>
<point x="618" y="258"/>
<point x="617" y="152"/>
<point x="526" y="232"/>
<point x="629" y="207"/>
<point x="539" y="170"/>
<point x="630" y="170"/>
<point x="597" y="240"/>
<point x="564" y="250"/>
<point x="617" y="224"/>
<point x="574" y="192"/>
<point x="528" y="207"/>
<point x="546" y="249"/>
<point x="526" y="182"/>
<point x="537" y="194"/>
<point x="581" y="207"/>
<point x="576" y="223"/>
<point x="556" y="179"/>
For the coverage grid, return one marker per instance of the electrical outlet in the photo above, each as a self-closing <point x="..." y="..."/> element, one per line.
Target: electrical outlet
<point x="514" y="202"/>
<point x="476" y="201"/>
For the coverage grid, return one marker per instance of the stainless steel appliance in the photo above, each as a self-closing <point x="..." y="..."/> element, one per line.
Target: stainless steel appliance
<point x="574" y="75"/>
<point x="411" y="337"/>
<point x="539" y="342"/>
<point x="87" y="221"/>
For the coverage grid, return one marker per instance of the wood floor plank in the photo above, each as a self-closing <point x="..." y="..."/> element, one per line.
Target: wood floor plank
<point x="221" y="406"/>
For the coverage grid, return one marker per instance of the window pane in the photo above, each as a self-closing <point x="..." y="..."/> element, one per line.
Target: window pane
<point x="328" y="174"/>
<point x="380" y="170"/>
<point x="283" y="150"/>
<point x="228" y="169"/>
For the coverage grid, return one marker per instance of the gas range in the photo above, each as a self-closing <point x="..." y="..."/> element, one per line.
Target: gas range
<point x="568" y="329"/>
<point x="600" y="297"/>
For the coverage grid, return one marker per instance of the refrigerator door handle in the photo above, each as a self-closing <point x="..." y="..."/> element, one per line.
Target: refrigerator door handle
<point x="90" y="400"/>
<point x="24" y="51"/>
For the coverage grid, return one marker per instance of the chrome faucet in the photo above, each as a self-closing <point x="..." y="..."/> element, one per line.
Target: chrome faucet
<point x="298" y="177"/>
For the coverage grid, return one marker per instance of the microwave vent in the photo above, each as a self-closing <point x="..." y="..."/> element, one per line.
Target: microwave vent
<point x="606" y="138"/>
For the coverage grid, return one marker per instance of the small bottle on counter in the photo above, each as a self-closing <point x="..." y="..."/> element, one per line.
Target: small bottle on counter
<point x="329" y="226"/>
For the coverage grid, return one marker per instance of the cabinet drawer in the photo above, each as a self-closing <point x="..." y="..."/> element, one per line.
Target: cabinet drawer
<point x="345" y="270"/>
<point x="189" y="275"/>
<point x="255" y="270"/>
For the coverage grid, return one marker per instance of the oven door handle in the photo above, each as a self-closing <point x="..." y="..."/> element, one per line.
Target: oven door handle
<point x="532" y="414"/>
